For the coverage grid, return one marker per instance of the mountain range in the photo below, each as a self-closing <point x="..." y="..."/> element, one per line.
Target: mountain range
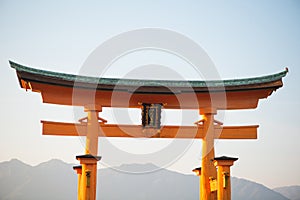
<point x="56" y="179"/>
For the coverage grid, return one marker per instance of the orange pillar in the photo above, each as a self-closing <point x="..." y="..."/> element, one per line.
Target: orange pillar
<point x="88" y="178"/>
<point x="224" y="185"/>
<point x="197" y="171"/>
<point x="78" y="170"/>
<point x="92" y="129"/>
<point x="208" y="170"/>
<point x="89" y="160"/>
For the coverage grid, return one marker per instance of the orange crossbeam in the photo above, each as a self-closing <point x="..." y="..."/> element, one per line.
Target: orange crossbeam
<point x="137" y="131"/>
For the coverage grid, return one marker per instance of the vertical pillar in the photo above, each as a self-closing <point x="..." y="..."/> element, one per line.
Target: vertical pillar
<point x="208" y="170"/>
<point x="224" y="184"/>
<point x="89" y="160"/>
<point x="78" y="170"/>
<point x="92" y="129"/>
<point x="197" y="171"/>
<point x="88" y="178"/>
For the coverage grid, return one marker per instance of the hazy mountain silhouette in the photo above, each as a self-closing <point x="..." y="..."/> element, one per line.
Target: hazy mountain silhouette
<point x="50" y="180"/>
<point x="57" y="180"/>
<point x="291" y="192"/>
<point x="248" y="190"/>
<point x="162" y="184"/>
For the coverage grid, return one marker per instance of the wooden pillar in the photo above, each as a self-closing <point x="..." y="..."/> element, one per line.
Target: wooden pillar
<point x="197" y="171"/>
<point x="89" y="160"/>
<point x="88" y="180"/>
<point x="224" y="184"/>
<point x="92" y="129"/>
<point x="208" y="170"/>
<point x="78" y="170"/>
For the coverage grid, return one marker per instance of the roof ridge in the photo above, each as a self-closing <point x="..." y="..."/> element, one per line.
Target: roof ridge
<point x="149" y="82"/>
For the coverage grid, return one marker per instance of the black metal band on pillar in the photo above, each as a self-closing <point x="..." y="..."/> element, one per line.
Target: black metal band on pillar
<point x="151" y="115"/>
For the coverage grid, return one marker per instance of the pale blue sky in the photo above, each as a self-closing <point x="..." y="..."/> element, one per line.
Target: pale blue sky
<point x="244" y="39"/>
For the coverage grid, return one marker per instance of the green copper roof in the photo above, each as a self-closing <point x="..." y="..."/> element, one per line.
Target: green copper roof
<point x="137" y="82"/>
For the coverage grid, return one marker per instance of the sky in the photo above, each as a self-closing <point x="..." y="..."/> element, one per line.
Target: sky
<point x="243" y="39"/>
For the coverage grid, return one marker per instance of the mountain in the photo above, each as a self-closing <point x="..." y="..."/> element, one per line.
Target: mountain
<point x="248" y="190"/>
<point x="291" y="192"/>
<point x="57" y="180"/>
<point x="162" y="184"/>
<point x="50" y="180"/>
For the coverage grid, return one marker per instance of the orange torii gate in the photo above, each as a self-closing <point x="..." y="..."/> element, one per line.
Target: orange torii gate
<point x="93" y="94"/>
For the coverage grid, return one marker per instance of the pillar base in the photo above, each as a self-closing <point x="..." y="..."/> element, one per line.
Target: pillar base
<point x="88" y="158"/>
<point x="224" y="161"/>
<point x="197" y="171"/>
<point x="88" y="178"/>
<point x="224" y="186"/>
<point x="77" y="168"/>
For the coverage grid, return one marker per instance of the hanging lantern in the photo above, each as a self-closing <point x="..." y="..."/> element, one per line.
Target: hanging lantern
<point x="151" y="115"/>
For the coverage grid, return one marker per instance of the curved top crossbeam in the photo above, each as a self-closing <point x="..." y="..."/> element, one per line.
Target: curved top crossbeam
<point x="57" y="88"/>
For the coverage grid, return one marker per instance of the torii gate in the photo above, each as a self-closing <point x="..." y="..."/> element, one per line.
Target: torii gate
<point x="151" y="96"/>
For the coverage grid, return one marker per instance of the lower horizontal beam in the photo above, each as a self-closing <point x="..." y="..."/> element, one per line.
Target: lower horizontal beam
<point x="137" y="131"/>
